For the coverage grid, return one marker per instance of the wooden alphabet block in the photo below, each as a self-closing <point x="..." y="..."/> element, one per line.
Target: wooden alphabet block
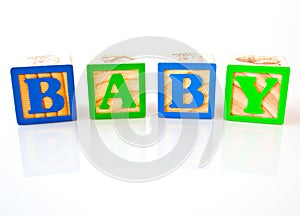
<point x="187" y="89"/>
<point x="44" y="90"/>
<point x="116" y="90"/>
<point x="256" y="89"/>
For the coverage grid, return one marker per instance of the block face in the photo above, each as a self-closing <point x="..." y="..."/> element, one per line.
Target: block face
<point x="194" y="84"/>
<point x="116" y="90"/>
<point x="256" y="93"/>
<point x="44" y="94"/>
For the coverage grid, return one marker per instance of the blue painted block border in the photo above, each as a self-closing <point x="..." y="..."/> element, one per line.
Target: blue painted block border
<point x="43" y="69"/>
<point x="186" y="66"/>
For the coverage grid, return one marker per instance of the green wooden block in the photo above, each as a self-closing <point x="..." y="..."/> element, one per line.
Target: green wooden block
<point x="256" y="89"/>
<point x="116" y="90"/>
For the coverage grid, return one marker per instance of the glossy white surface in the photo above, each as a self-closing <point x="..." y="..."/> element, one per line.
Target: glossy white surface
<point x="256" y="168"/>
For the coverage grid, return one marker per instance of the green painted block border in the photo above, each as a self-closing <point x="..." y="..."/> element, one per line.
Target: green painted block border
<point x="284" y="71"/>
<point x="91" y="92"/>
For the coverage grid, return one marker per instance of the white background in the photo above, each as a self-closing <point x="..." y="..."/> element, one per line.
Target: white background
<point x="249" y="175"/>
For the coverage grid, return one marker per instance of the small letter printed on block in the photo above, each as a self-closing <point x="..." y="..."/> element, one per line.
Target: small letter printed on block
<point x="256" y="89"/>
<point x="44" y="92"/>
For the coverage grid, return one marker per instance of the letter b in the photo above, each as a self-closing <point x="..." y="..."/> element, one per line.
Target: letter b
<point x="178" y="91"/>
<point x="36" y="96"/>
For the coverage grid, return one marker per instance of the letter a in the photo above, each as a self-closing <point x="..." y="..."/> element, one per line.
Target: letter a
<point x="123" y="92"/>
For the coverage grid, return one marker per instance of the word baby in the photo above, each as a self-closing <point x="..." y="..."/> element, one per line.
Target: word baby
<point x="256" y="89"/>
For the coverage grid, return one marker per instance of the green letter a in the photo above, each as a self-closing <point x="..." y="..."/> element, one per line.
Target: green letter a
<point x="254" y="97"/>
<point x="123" y="92"/>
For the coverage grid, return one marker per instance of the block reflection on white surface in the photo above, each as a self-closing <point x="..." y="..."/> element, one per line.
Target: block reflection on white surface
<point x="48" y="149"/>
<point x="251" y="148"/>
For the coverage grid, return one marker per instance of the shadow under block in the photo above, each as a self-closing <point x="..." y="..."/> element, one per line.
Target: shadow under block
<point x="256" y="89"/>
<point x="116" y="90"/>
<point x="186" y="90"/>
<point x="43" y="94"/>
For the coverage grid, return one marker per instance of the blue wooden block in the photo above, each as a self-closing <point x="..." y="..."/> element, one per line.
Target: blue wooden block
<point x="43" y="94"/>
<point x="186" y="90"/>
